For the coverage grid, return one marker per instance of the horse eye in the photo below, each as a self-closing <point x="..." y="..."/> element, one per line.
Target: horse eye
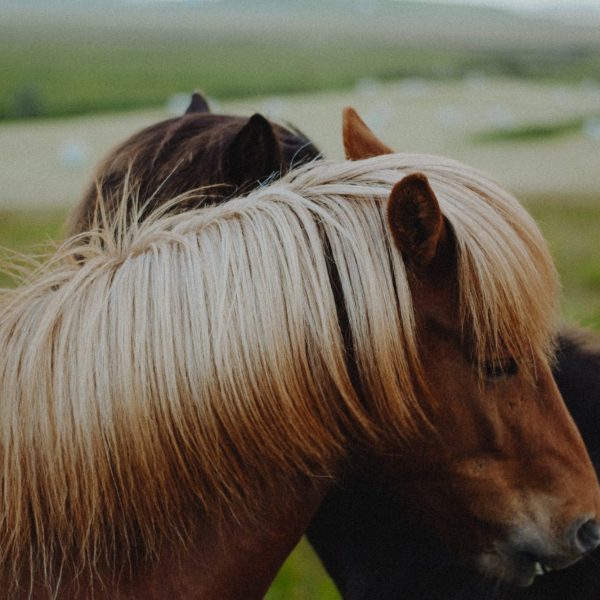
<point x="506" y="367"/>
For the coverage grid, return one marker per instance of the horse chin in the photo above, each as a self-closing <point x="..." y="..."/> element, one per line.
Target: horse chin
<point x="515" y="569"/>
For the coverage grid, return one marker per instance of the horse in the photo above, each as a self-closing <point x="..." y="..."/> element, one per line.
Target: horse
<point x="223" y="154"/>
<point x="181" y="491"/>
<point x="350" y="370"/>
<point x="376" y="547"/>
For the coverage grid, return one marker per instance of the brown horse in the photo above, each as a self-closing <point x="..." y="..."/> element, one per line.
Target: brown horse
<point x="177" y="405"/>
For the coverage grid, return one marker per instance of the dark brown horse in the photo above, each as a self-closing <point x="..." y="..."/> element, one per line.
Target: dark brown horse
<point x="224" y="155"/>
<point x="439" y="372"/>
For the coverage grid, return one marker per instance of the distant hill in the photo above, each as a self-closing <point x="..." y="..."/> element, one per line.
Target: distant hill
<point x="407" y="22"/>
<point x="62" y="57"/>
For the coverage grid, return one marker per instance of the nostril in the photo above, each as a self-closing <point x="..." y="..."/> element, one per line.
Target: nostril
<point x="587" y="536"/>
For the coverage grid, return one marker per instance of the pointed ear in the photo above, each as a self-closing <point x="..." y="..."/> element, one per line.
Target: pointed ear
<point x="359" y="140"/>
<point x="198" y="104"/>
<point x="253" y="154"/>
<point x="416" y="221"/>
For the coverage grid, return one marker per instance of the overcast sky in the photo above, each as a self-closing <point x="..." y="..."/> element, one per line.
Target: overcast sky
<point x="533" y="4"/>
<point x="575" y="8"/>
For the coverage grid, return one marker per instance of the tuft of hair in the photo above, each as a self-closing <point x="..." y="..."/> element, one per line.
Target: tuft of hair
<point x="193" y="366"/>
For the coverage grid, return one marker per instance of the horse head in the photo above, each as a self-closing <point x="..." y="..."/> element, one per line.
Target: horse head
<point x="373" y="544"/>
<point x="226" y="155"/>
<point x="504" y="474"/>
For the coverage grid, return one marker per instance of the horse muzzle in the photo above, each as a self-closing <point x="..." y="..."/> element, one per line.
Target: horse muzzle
<point x="527" y="554"/>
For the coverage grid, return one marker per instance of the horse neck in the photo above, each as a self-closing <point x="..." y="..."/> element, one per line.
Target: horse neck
<point x="231" y="562"/>
<point x="222" y="562"/>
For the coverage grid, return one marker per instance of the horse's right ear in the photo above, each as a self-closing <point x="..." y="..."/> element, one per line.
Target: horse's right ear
<point x="198" y="104"/>
<point x="415" y="220"/>
<point x="359" y="141"/>
<point x="253" y="154"/>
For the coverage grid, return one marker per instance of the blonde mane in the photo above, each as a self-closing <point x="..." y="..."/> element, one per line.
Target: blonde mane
<point x="194" y="363"/>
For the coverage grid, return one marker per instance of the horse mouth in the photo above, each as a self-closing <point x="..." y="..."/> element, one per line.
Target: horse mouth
<point x="526" y="568"/>
<point x="528" y="552"/>
<point x="519" y="569"/>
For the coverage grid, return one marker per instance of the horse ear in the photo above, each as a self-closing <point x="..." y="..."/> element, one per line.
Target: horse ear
<point x="415" y="220"/>
<point x="359" y="140"/>
<point x="198" y="104"/>
<point x="254" y="152"/>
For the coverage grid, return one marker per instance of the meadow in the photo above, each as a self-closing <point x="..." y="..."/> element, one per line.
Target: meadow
<point x="75" y="60"/>
<point x="571" y="232"/>
<point x="94" y="77"/>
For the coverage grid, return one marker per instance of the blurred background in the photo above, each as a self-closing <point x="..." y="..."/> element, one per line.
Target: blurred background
<point x="510" y="86"/>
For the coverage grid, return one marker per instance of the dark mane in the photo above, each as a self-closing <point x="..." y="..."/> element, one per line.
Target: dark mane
<point x="228" y="155"/>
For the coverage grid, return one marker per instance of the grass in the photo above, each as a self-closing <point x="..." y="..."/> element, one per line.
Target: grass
<point x="302" y="578"/>
<point x="28" y="232"/>
<point x="69" y="79"/>
<point x="533" y="131"/>
<point x="571" y="228"/>
<point x="54" y="66"/>
<point x="572" y="231"/>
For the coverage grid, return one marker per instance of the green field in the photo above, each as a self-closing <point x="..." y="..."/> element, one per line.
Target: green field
<point x="73" y="78"/>
<point x="76" y="60"/>
<point x="535" y="131"/>
<point x="93" y="78"/>
<point x="572" y="233"/>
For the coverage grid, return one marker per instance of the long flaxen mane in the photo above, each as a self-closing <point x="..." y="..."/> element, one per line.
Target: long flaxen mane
<point x="193" y="365"/>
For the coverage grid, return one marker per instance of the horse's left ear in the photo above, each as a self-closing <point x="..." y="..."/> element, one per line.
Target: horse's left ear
<point x="253" y="154"/>
<point x="359" y="141"/>
<point x="198" y="104"/>
<point x="415" y="220"/>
